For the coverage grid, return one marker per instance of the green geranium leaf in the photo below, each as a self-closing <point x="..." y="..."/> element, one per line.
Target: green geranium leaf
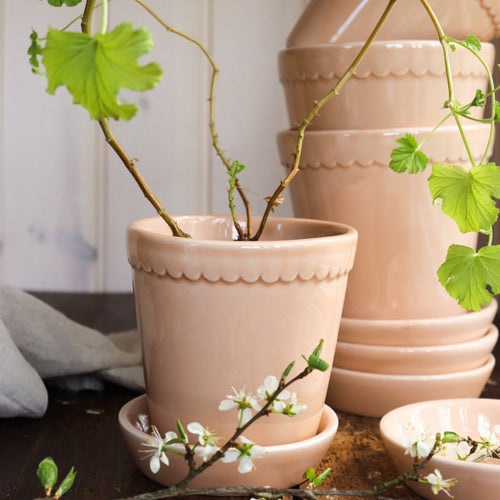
<point x="35" y="51"/>
<point x="497" y="111"/>
<point x="95" y="69"/>
<point x="58" y="3"/>
<point x="473" y="43"/>
<point x="467" y="274"/>
<point x="479" y="99"/>
<point x="407" y="157"/>
<point x="467" y="195"/>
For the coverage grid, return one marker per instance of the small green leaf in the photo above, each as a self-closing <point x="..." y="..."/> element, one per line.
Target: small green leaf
<point x="407" y="157"/>
<point x="68" y="3"/>
<point x="318" y="480"/>
<point x="309" y="475"/>
<point x="479" y="99"/>
<point x="316" y="363"/>
<point x="450" y="437"/>
<point x="467" y="274"/>
<point x="467" y="195"/>
<point x="35" y="51"/>
<point x="497" y="111"/>
<point x="182" y="432"/>
<point x="95" y="69"/>
<point x="66" y="483"/>
<point x="473" y="43"/>
<point x="47" y="474"/>
<point x="287" y="371"/>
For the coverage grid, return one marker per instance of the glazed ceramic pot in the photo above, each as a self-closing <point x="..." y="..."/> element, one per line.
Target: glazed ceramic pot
<point x="338" y="21"/>
<point x="214" y="314"/>
<point x="403" y="236"/>
<point x="397" y="84"/>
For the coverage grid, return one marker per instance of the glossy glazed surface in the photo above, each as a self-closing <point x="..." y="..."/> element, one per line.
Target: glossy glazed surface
<point x="335" y="21"/>
<point x="403" y="236"/>
<point x="216" y="314"/>
<point x="446" y="358"/>
<point x="397" y="84"/>
<point x="474" y="480"/>
<point x="419" y="332"/>
<point x="281" y="467"/>
<point x="374" y="394"/>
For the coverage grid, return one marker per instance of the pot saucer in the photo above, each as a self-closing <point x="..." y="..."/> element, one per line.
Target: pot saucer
<point x="374" y="394"/>
<point x="281" y="467"/>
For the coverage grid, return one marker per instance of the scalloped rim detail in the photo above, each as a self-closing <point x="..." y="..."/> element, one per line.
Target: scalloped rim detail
<point x="372" y="163"/>
<point x="291" y="79"/>
<point x="330" y="275"/>
<point x="493" y="14"/>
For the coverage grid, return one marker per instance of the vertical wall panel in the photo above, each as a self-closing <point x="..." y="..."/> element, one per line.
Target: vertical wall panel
<point x="48" y="168"/>
<point x="250" y="100"/>
<point x="66" y="198"/>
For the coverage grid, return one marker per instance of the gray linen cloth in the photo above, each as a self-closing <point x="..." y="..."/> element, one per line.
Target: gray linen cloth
<point x="38" y="343"/>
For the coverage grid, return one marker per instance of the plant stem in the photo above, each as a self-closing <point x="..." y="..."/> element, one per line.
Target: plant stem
<point x="111" y="140"/>
<point x="314" y="111"/>
<point x="213" y="131"/>
<point x="239" y="431"/>
<point x="130" y="165"/>
<point x="104" y="18"/>
<point x="451" y="97"/>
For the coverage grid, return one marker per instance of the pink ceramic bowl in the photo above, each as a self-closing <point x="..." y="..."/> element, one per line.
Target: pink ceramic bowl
<point x="282" y="466"/>
<point x="399" y="360"/>
<point x="474" y="480"/>
<point x="374" y="394"/>
<point x="409" y="73"/>
<point x="335" y="21"/>
<point x="419" y="332"/>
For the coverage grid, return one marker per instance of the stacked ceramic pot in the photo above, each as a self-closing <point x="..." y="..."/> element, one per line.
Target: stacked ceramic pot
<point x="402" y="339"/>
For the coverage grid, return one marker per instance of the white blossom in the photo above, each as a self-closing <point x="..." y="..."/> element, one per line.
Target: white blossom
<point x="159" y="446"/>
<point x="417" y="449"/>
<point x="207" y="439"/>
<point x="271" y="385"/>
<point x="245" y="453"/>
<point x="244" y="402"/>
<point x="438" y="484"/>
<point x="292" y="408"/>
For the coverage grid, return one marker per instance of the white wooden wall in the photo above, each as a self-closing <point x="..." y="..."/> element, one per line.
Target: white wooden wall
<point x="66" y="199"/>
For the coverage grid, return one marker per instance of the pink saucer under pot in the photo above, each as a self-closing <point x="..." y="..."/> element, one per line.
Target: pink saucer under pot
<point x="282" y="466"/>
<point x="419" y="360"/>
<point x="419" y="332"/>
<point x="479" y="481"/>
<point x="374" y="394"/>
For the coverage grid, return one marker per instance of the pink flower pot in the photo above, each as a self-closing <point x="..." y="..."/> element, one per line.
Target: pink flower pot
<point x="397" y="84"/>
<point x="214" y="314"/>
<point x="339" y="21"/>
<point x="403" y="237"/>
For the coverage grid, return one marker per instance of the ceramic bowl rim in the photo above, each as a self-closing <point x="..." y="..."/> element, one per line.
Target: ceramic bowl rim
<point x="420" y="322"/>
<point x="329" y="423"/>
<point x="375" y="45"/>
<point x="344" y="232"/>
<point x="390" y="350"/>
<point x="358" y="375"/>
<point x="436" y="460"/>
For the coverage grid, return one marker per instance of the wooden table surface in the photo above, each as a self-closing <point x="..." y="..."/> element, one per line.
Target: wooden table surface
<point x="80" y="429"/>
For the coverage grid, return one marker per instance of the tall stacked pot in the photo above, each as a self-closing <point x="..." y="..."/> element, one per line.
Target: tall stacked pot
<point x="402" y="338"/>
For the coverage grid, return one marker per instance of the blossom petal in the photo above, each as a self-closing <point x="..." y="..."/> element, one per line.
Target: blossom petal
<point x="227" y="404"/>
<point x="231" y="455"/>
<point x="245" y="465"/>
